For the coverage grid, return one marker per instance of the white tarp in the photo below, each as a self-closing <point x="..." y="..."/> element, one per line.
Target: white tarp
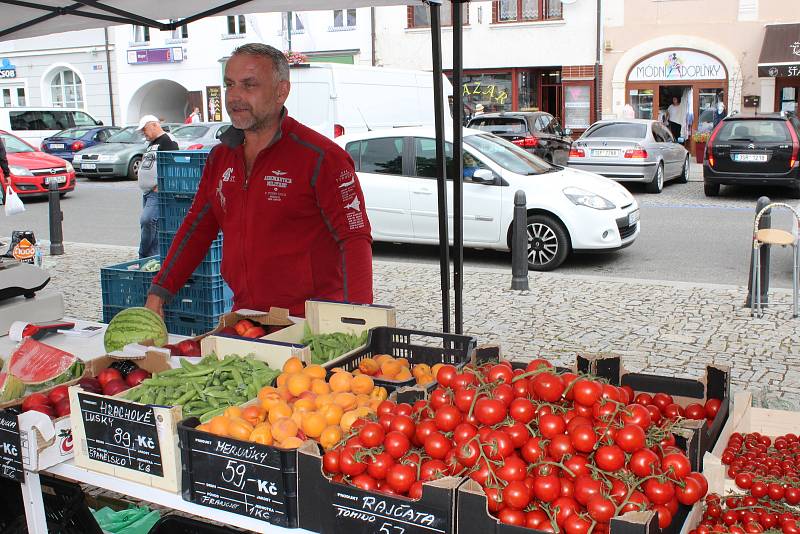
<point x="19" y="19"/>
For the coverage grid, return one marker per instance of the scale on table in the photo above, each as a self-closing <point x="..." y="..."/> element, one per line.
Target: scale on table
<point x="22" y="297"/>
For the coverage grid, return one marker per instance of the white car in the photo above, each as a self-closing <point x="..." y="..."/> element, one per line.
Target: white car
<point x="568" y="210"/>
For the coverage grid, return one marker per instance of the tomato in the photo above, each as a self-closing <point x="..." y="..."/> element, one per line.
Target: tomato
<point x="792" y="495"/>
<point x="547" y="488"/>
<point x="576" y="524"/>
<point x="437" y="445"/>
<point x="673" y="411"/>
<point x="396" y="443"/>
<point x="546" y="386"/>
<point x="107" y="375"/>
<point x="386" y="408"/>
<point x="432" y="470"/>
<point x="538" y="363"/>
<point x="378" y="466"/>
<point x="516" y="495"/>
<point x="464" y="432"/>
<point x="463" y="399"/>
<point x="690" y="493"/>
<point x="635" y="414"/>
<point x="601" y="509"/>
<point x="535" y="518"/>
<point x="564" y="507"/>
<point x="662" y="400"/>
<point x="330" y="462"/>
<point x="385" y="421"/>
<point x="58" y="394"/>
<point x="664" y="516"/>
<point x="712" y="407"/>
<point x="522" y="410"/>
<point x="504" y="393"/>
<point x="775" y="491"/>
<point x="500" y="373"/>
<point x="462" y="380"/>
<point x="559" y="447"/>
<point x="520" y="387"/>
<point x="550" y="425"/>
<point x="364" y="482"/>
<point x="659" y="492"/>
<point x="643" y="399"/>
<point x="677" y="464"/>
<point x="446" y="374"/>
<point x="627" y="394"/>
<point x="404" y="424"/>
<point x="468" y="453"/>
<point x="577" y="466"/>
<point x="643" y="462"/>
<point x="587" y="487"/>
<point x="609" y="458"/>
<point x="371" y="435"/>
<point x="583" y="438"/>
<point x="695" y="411"/>
<point x="586" y="392"/>
<point x="423" y="429"/>
<point x="447" y="418"/>
<point x="482" y="474"/>
<point x="510" y="516"/>
<point x="631" y="438"/>
<point x="512" y="469"/>
<point x="400" y="477"/>
<point x="490" y="411"/>
<point x="403" y="408"/>
<point x="655" y="413"/>
<point x="518" y="432"/>
<point x="498" y="445"/>
<point x="533" y="450"/>
<point x="348" y="465"/>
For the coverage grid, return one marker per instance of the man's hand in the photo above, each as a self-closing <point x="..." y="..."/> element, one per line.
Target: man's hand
<point x="155" y="303"/>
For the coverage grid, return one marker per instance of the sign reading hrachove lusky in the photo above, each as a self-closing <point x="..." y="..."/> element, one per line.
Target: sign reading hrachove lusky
<point x="677" y="65"/>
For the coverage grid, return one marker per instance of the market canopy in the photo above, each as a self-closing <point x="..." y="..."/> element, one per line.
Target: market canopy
<point x="22" y="19"/>
<point x="780" y="51"/>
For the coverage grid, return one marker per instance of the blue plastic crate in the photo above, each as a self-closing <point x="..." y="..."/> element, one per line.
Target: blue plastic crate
<point x="211" y="264"/>
<point x="204" y="296"/>
<point x="172" y="209"/>
<point x="125" y="284"/>
<point x="110" y="311"/>
<point x="179" y="171"/>
<point x="187" y="324"/>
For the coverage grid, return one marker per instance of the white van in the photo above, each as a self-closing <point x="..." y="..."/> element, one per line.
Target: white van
<point x="34" y="124"/>
<point x="335" y="99"/>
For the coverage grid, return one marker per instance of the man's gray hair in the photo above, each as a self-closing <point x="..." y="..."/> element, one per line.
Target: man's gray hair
<point x="279" y="64"/>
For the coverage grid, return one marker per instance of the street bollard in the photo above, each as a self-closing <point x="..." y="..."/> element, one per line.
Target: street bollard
<point x="519" y="244"/>
<point x="56" y="216"/>
<point x="765" y="222"/>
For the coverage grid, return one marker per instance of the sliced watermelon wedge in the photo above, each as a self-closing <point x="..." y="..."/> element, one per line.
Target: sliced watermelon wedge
<point x="36" y="363"/>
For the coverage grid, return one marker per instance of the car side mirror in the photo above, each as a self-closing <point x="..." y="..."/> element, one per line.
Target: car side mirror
<point x="483" y="176"/>
<point x="99" y="123"/>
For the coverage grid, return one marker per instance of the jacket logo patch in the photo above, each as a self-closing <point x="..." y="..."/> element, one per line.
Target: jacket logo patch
<point x="228" y="175"/>
<point x="350" y="200"/>
<point x="354" y="205"/>
<point x="277" y="184"/>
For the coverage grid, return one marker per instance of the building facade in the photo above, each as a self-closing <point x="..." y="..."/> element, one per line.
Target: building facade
<point x="658" y="50"/>
<point x="525" y="55"/>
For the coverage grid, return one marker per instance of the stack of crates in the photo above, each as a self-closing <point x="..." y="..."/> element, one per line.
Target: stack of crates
<point x="125" y="285"/>
<point x="197" y="307"/>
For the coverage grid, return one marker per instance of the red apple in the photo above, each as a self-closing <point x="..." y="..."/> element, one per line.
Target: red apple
<point x="62" y="407"/>
<point x="255" y="332"/>
<point x="57" y="394"/>
<point x="107" y="375"/>
<point x="189" y="347"/>
<point x="228" y="331"/>
<point x="243" y="326"/>
<point x="136" y="376"/>
<point x="35" y="399"/>
<point x="114" y="386"/>
<point x="43" y="408"/>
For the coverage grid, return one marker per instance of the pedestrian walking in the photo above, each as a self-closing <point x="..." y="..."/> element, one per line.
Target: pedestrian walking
<point x="193" y="117"/>
<point x="674" y="118"/>
<point x="4" y="168"/>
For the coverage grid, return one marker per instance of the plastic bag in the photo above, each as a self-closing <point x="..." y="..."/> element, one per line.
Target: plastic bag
<point x="13" y="204"/>
<point x="134" y="520"/>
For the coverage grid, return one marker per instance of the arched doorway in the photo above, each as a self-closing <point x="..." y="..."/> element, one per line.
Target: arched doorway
<point x="165" y="99"/>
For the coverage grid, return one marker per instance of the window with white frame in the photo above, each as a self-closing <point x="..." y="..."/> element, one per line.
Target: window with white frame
<point x="66" y="89"/>
<point x="141" y="34"/>
<point x="297" y="24"/>
<point x="236" y="25"/>
<point x="344" y="18"/>
<point x="21" y="96"/>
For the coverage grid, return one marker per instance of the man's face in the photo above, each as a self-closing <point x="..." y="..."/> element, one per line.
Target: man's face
<point x="253" y="96"/>
<point x="150" y="131"/>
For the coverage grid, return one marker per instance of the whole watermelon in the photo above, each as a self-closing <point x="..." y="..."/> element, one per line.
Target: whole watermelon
<point x="135" y="325"/>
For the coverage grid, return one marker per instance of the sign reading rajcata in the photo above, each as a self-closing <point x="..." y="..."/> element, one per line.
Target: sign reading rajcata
<point x="677" y="65"/>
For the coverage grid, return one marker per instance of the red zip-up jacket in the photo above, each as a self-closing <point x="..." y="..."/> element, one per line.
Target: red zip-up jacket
<point x="293" y="230"/>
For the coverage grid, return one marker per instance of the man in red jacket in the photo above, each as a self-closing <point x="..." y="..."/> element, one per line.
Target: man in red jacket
<point x="286" y="198"/>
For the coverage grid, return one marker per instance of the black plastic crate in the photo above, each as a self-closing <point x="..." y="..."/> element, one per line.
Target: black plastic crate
<point x="177" y="524"/>
<point x="249" y="479"/>
<point x="65" y="510"/>
<point x="416" y="346"/>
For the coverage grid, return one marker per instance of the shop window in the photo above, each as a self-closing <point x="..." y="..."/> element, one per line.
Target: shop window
<point x="526" y="10"/>
<point x="382" y="156"/>
<point x="577" y="106"/>
<point x="491" y="90"/>
<point x="641" y="100"/>
<point x="236" y="25"/>
<point x="141" y="34"/>
<point x="420" y="16"/>
<point x="66" y="89"/>
<point x="527" y="90"/>
<point x="344" y="18"/>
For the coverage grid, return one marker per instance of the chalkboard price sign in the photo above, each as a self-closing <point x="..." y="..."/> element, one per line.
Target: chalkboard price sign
<point x="10" y="447"/>
<point x="244" y="478"/>
<point x="357" y="511"/>
<point x="121" y="433"/>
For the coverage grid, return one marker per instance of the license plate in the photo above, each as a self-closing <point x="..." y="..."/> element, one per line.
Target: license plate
<point x="88" y="166"/>
<point x="56" y="146"/>
<point x="605" y="153"/>
<point x="58" y="179"/>
<point x="633" y="217"/>
<point x="759" y="158"/>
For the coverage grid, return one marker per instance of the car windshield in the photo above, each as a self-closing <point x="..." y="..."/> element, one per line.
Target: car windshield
<point x="72" y="133"/>
<point x="500" y="125"/>
<point x="508" y="155"/>
<point x="129" y="135"/>
<point x="189" y="132"/>
<point x="624" y="130"/>
<point x="754" y="131"/>
<point x="14" y="145"/>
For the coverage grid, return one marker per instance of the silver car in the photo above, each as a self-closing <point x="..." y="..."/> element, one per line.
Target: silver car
<point x="199" y="135"/>
<point x="631" y="150"/>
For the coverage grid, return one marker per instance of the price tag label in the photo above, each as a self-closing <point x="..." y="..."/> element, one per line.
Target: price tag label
<point x="243" y="478"/>
<point x="10" y="447"/>
<point x="121" y="433"/>
<point x="361" y="512"/>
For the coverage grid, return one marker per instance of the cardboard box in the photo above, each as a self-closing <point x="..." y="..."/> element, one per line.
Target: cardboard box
<point x="127" y="439"/>
<point x="331" y="507"/>
<point x="273" y="353"/>
<point x="276" y="317"/>
<point x="324" y="317"/>
<point x="745" y="419"/>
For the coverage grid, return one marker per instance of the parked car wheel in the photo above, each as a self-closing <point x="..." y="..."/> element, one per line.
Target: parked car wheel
<point x="684" y="176"/>
<point x="548" y="243"/>
<point x="711" y="190"/>
<point x="656" y="185"/>
<point x="133" y="167"/>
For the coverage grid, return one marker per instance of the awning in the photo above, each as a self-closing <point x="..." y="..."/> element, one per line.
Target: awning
<point x="780" y="51"/>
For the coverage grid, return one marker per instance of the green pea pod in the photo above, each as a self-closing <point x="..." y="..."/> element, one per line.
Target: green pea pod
<point x="212" y="401"/>
<point x="186" y="364"/>
<point x="135" y="394"/>
<point x="159" y="397"/>
<point x="186" y="397"/>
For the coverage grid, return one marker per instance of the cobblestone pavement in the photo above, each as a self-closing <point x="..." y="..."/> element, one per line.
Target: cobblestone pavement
<point x="658" y="327"/>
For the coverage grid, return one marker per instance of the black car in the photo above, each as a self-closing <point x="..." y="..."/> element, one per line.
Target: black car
<point x="536" y="131"/>
<point x="753" y="150"/>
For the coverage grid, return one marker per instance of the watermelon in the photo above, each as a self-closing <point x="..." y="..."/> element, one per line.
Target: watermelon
<point x="11" y="387"/>
<point x="38" y="365"/>
<point x="135" y="325"/>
